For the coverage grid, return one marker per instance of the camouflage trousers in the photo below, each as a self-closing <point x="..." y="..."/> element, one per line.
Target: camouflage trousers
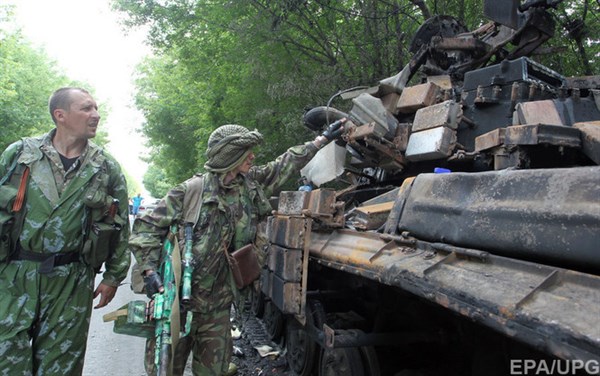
<point x="44" y="318"/>
<point x="209" y="342"/>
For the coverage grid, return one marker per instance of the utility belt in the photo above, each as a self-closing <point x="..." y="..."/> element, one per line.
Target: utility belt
<point x="47" y="261"/>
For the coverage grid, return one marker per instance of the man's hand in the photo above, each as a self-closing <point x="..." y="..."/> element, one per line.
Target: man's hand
<point x="106" y="292"/>
<point x="153" y="283"/>
<point x="335" y="130"/>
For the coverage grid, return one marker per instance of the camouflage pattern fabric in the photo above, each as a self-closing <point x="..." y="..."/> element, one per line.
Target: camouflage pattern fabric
<point x="209" y="342"/>
<point x="228" y="219"/>
<point x="54" y="308"/>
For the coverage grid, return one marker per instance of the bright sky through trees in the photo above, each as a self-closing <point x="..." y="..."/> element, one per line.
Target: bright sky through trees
<point x="84" y="37"/>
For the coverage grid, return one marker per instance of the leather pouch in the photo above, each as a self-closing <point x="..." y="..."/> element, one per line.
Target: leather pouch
<point x="244" y="266"/>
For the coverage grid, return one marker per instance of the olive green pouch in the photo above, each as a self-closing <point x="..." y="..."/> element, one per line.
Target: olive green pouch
<point x="131" y="319"/>
<point x="6" y="225"/>
<point x="102" y="239"/>
<point x="8" y="193"/>
<point x="137" y="280"/>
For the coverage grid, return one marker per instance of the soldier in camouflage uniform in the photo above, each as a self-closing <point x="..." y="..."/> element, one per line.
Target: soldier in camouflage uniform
<point x="48" y="259"/>
<point x="234" y="200"/>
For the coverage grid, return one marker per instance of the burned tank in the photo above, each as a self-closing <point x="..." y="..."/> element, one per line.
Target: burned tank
<point x="464" y="237"/>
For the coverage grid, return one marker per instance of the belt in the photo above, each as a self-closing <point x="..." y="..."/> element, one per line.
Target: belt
<point x="47" y="261"/>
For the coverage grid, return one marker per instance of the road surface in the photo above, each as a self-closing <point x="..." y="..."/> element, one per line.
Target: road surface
<point x="109" y="353"/>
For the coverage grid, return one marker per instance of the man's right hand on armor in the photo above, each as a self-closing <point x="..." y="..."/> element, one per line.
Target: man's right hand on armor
<point x="153" y="283"/>
<point x="335" y="130"/>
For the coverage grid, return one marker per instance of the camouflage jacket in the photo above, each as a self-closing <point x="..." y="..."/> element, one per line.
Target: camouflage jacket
<point x="229" y="217"/>
<point x="60" y="205"/>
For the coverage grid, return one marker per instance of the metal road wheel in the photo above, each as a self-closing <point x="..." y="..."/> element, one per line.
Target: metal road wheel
<point x="302" y="352"/>
<point x="273" y="319"/>
<point x="368" y="357"/>
<point x="343" y="361"/>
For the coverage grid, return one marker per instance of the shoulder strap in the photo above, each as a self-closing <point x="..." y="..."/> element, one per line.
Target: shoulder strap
<point x="192" y="201"/>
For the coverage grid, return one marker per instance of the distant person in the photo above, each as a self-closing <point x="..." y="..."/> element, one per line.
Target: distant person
<point x="136" y="203"/>
<point x="234" y="201"/>
<point x="60" y="193"/>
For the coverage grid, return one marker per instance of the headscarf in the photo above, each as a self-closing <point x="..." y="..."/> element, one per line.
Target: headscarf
<point x="228" y="146"/>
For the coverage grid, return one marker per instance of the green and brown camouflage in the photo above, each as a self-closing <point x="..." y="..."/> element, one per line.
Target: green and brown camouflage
<point x="228" y="220"/>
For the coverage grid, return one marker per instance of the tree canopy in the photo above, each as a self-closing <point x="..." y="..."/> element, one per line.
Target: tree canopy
<point x="27" y="79"/>
<point x="263" y="63"/>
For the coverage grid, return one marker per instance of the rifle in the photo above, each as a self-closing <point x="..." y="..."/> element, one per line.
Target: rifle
<point x="162" y="322"/>
<point x="166" y="313"/>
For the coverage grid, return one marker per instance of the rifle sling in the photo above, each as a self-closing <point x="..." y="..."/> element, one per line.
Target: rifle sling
<point x="192" y="200"/>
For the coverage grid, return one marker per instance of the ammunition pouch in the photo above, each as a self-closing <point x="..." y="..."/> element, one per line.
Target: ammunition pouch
<point x="7" y="220"/>
<point x="101" y="241"/>
<point x="6" y="225"/>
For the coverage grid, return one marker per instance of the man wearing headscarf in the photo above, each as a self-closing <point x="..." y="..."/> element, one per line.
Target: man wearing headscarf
<point x="234" y="200"/>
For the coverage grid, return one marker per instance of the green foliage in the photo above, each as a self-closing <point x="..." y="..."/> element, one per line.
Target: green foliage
<point x="262" y="63"/>
<point x="155" y="182"/>
<point x="27" y="79"/>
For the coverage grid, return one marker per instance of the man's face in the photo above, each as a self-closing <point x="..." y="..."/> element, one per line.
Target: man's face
<point x="81" y="119"/>
<point x="246" y="164"/>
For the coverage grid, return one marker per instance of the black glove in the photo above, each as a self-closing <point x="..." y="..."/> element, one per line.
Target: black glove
<point x="335" y="130"/>
<point x="153" y="284"/>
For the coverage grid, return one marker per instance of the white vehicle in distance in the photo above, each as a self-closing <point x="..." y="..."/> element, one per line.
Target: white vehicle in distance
<point x="147" y="206"/>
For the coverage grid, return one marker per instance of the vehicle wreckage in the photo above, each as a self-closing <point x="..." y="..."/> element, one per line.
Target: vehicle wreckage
<point x="465" y="238"/>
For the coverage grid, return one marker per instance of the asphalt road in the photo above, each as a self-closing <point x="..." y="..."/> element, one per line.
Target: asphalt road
<point x="109" y="353"/>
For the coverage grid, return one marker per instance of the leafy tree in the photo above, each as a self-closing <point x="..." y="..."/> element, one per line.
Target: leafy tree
<point x="27" y="79"/>
<point x="262" y="63"/>
<point x="155" y="182"/>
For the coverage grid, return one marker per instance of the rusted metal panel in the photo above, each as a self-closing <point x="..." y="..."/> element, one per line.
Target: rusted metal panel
<point x="292" y="202"/>
<point x="490" y="140"/>
<point x="418" y="96"/>
<point x="287" y="231"/>
<point x="590" y="138"/>
<point x="287" y="296"/>
<point x="363" y="131"/>
<point x="371" y="217"/>
<point x="286" y="263"/>
<point x="527" y="301"/>
<point x="544" y="112"/>
<point x="534" y="134"/>
<point x="322" y="202"/>
<point x="445" y="114"/>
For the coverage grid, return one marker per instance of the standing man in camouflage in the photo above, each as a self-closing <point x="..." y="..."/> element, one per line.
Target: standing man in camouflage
<point x="234" y="200"/>
<point x="63" y="212"/>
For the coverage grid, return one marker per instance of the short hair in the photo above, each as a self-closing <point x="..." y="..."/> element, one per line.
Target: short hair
<point x="61" y="98"/>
